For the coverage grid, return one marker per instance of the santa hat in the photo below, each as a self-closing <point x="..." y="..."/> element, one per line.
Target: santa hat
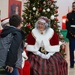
<point x="43" y="19"/>
<point x="4" y="22"/>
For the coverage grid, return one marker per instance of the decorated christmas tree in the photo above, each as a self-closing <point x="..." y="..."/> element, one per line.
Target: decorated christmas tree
<point x="36" y="8"/>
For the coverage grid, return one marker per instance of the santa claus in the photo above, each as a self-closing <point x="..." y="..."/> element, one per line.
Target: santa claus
<point x="43" y="50"/>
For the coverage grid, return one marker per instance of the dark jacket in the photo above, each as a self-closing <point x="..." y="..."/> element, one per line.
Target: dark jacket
<point x="70" y="21"/>
<point x="17" y="41"/>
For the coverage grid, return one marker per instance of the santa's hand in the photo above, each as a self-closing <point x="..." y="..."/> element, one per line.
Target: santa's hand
<point x="45" y="56"/>
<point x="37" y="53"/>
<point x="48" y="55"/>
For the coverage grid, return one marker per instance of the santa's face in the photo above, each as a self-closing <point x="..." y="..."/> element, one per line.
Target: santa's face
<point x="41" y="26"/>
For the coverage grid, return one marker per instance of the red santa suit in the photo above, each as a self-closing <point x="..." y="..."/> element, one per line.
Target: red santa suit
<point x="47" y="62"/>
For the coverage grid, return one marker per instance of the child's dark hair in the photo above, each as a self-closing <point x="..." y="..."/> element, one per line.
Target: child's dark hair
<point x="73" y="3"/>
<point x="15" y="20"/>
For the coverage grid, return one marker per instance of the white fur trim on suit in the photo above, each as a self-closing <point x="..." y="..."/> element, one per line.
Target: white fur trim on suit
<point x="31" y="48"/>
<point x="54" y="48"/>
<point x="24" y="58"/>
<point x="43" y="40"/>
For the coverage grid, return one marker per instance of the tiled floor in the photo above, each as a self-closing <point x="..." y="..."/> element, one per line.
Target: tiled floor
<point x="71" y="71"/>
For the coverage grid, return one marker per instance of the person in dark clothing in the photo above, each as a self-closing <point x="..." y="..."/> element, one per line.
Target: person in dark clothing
<point x="70" y="25"/>
<point x="12" y="60"/>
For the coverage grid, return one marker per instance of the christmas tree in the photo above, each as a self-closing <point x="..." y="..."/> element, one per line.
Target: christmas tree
<point x="36" y="8"/>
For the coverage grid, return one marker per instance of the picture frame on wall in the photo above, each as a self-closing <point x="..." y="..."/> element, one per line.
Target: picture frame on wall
<point x="15" y="7"/>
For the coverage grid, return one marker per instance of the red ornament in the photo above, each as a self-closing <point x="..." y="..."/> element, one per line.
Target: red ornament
<point x="40" y="9"/>
<point x="63" y="47"/>
<point x="52" y="6"/>
<point x="29" y="25"/>
<point x="56" y="19"/>
<point x="56" y="11"/>
<point x="52" y="0"/>
<point x="55" y="26"/>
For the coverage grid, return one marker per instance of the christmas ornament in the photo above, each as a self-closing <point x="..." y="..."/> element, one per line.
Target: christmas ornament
<point x="44" y="10"/>
<point x="44" y="2"/>
<point x="28" y="25"/>
<point x="56" y="11"/>
<point x="56" y="19"/>
<point x="52" y="17"/>
<point x="52" y="0"/>
<point x="40" y="9"/>
<point x="49" y="2"/>
<point x="52" y="6"/>
<point x="34" y="8"/>
<point x="48" y="10"/>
